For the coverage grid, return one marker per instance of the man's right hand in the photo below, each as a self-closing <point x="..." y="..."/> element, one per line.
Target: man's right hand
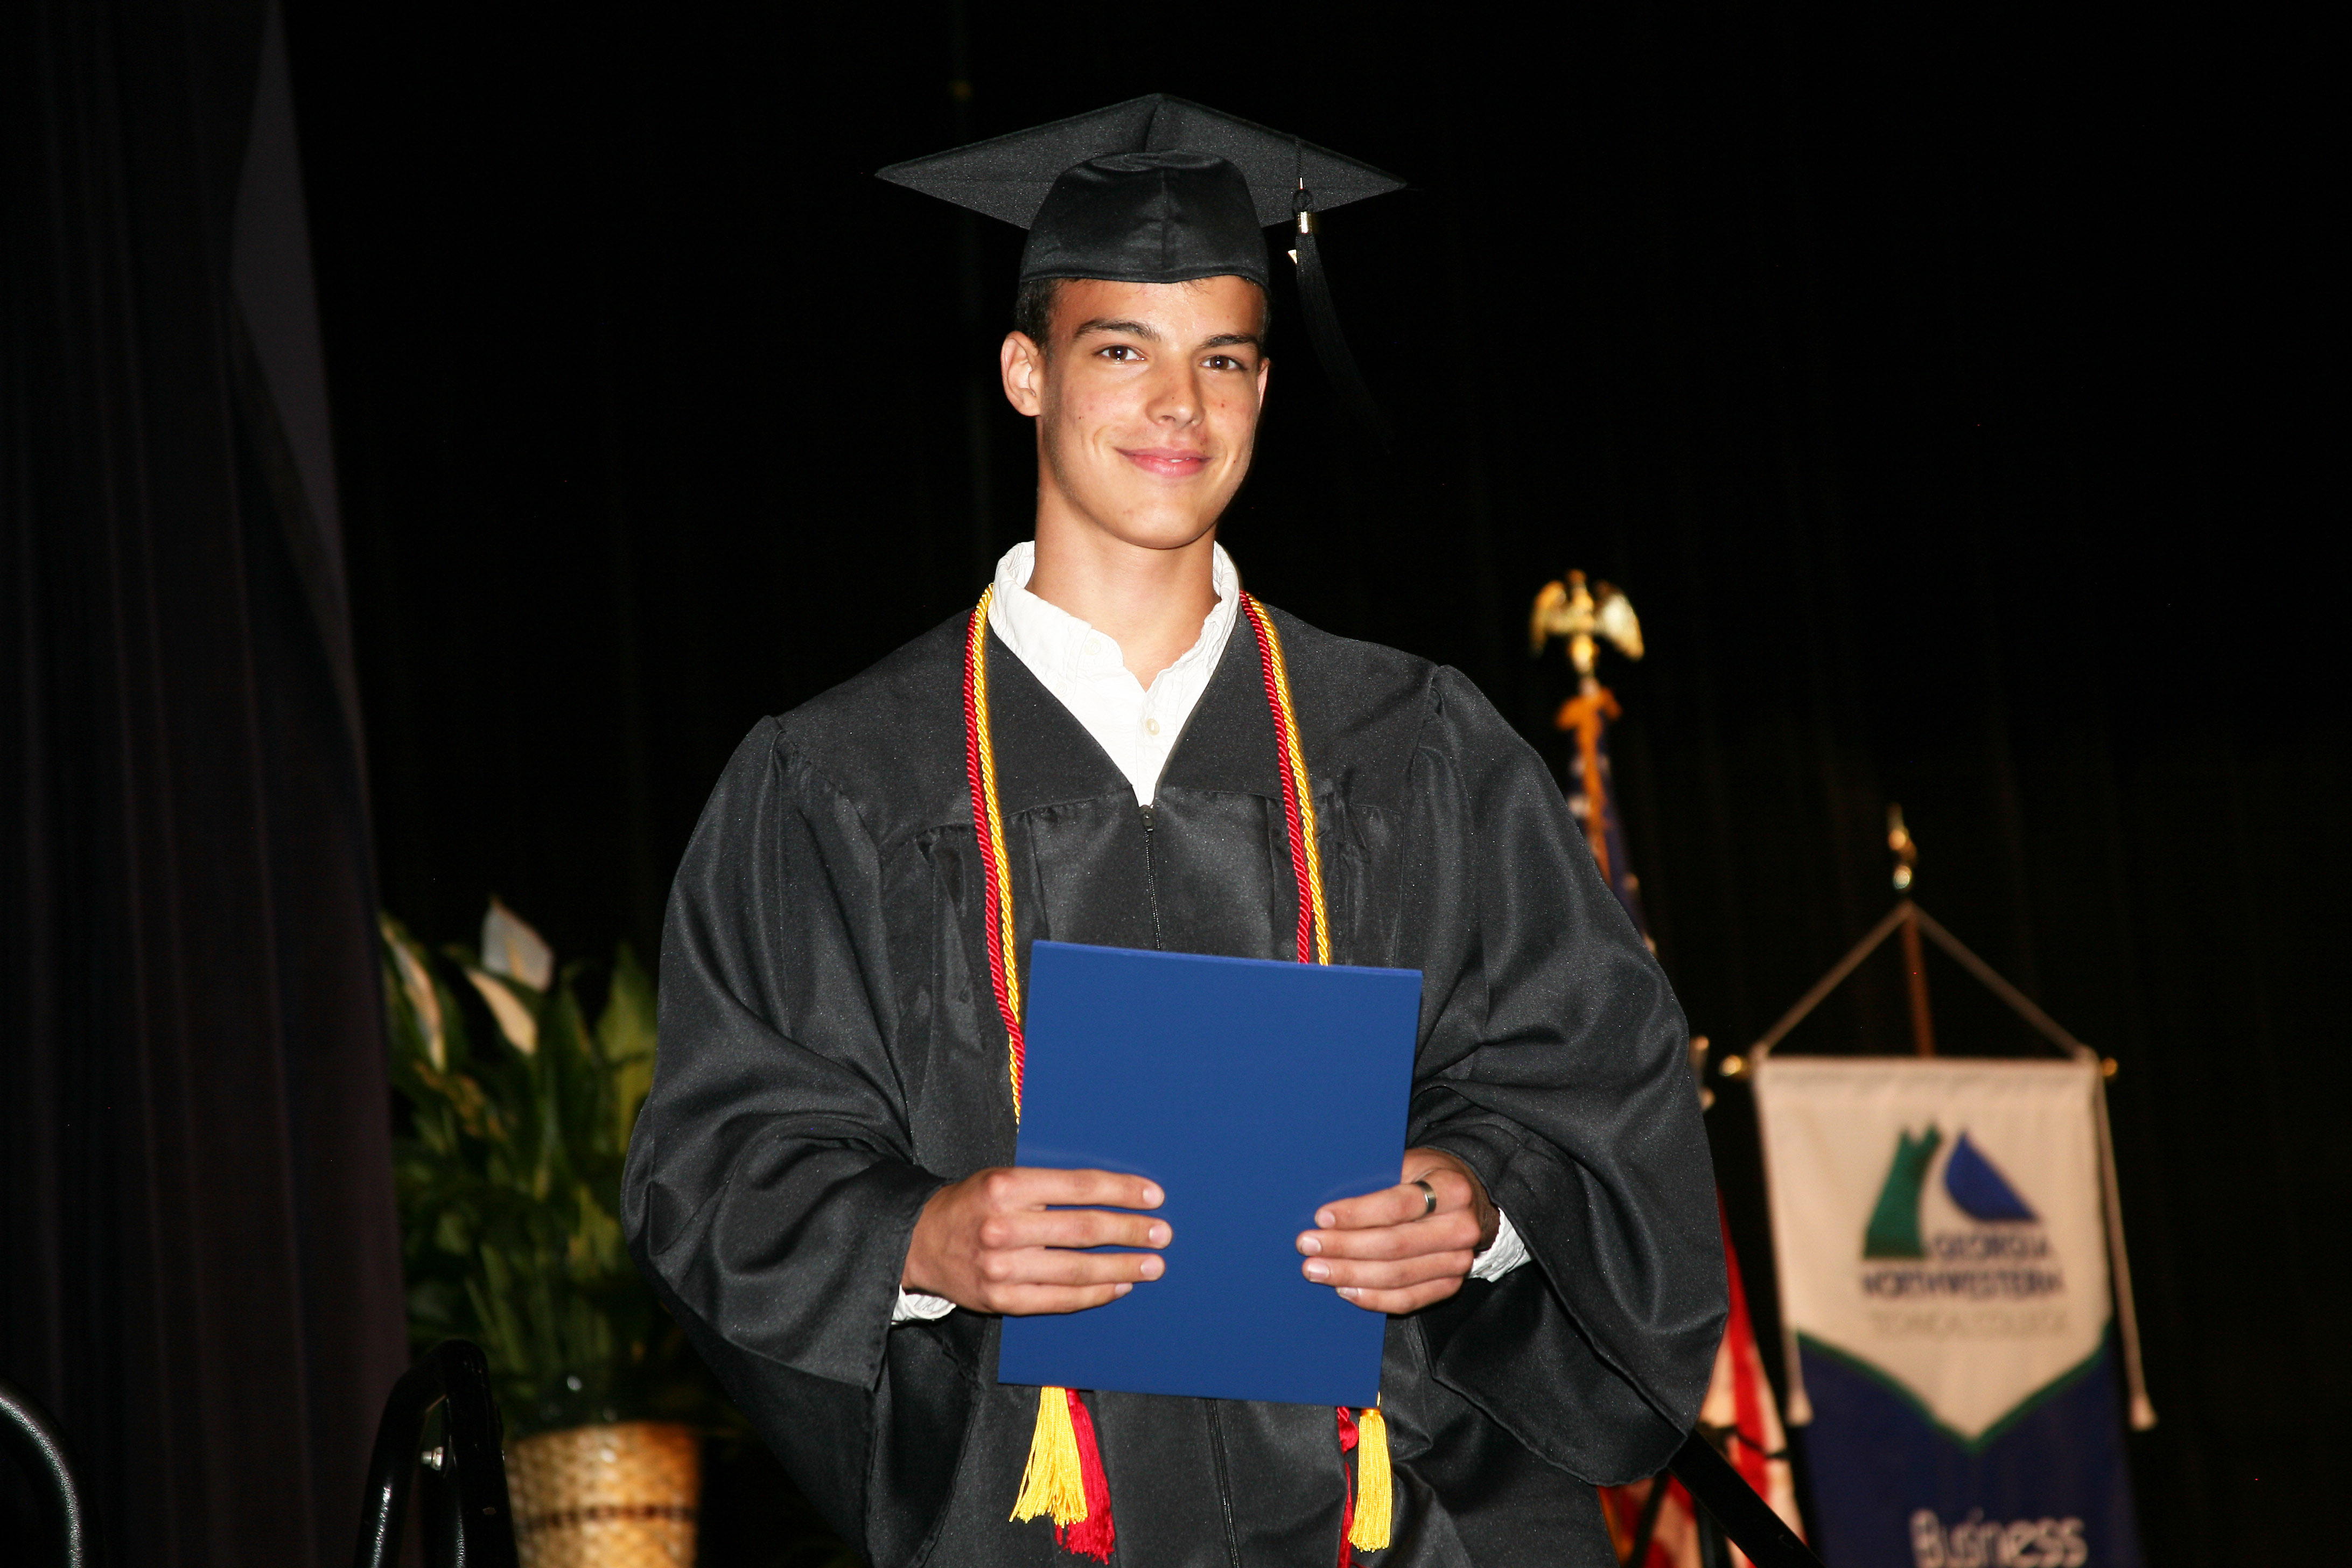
<point x="1001" y="1240"/>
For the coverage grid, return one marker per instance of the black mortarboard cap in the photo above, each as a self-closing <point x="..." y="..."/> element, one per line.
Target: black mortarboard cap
<point x="1154" y="190"/>
<point x="1163" y="190"/>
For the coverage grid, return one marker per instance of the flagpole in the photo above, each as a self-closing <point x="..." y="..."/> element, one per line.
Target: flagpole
<point x="2143" y="1411"/>
<point x="1729" y="1507"/>
<point x="1914" y="961"/>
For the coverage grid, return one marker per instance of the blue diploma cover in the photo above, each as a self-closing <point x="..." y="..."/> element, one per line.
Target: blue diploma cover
<point x="1253" y="1092"/>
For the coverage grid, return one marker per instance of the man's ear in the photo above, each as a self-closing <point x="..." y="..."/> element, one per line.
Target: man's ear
<point x="1023" y="364"/>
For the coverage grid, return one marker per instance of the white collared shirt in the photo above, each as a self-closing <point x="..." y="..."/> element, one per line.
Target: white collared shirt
<point x="1138" y="726"/>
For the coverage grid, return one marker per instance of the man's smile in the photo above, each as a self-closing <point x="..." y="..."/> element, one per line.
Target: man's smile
<point x="1171" y="462"/>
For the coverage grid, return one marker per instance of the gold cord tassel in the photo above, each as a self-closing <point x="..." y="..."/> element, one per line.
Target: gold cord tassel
<point x="1053" y="1483"/>
<point x="1375" y="1495"/>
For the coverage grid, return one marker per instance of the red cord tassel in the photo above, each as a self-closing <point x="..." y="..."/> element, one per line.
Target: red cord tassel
<point x="1347" y="1496"/>
<point x="1093" y="1535"/>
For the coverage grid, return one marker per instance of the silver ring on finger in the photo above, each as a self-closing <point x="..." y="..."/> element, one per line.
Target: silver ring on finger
<point x="1428" y="1196"/>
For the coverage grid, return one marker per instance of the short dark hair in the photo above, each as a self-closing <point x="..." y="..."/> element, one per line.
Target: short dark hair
<point x="1033" y="308"/>
<point x="1033" y="311"/>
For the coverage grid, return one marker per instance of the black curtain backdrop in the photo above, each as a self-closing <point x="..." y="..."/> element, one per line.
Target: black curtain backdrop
<point x="199" y="1265"/>
<point x="1921" y="374"/>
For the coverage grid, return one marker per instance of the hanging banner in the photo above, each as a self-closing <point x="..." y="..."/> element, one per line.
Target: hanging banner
<point x="1943" y="1271"/>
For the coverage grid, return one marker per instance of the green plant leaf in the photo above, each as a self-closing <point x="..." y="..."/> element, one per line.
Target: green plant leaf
<point x="508" y="1171"/>
<point x="625" y="1032"/>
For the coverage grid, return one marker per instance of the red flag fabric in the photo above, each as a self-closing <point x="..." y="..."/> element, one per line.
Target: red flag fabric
<point x="1743" y="1415"/>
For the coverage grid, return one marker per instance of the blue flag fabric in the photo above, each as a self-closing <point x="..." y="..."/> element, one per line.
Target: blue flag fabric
<point x="1893" y="1489"/>
<point x="1253" y="1092"/>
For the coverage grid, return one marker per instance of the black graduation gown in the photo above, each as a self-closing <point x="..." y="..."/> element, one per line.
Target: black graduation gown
<point x="829" y="1056"/>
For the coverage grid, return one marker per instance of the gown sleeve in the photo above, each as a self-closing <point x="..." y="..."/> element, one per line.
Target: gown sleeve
<point x="771" y="1189"/>
<point x="1554" y="1063"/>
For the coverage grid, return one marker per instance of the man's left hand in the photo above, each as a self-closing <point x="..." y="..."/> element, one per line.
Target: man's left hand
<point x="1391" y="1251"/>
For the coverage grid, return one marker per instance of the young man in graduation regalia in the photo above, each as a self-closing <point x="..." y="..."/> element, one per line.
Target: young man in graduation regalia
<point x="1119" y="746"/>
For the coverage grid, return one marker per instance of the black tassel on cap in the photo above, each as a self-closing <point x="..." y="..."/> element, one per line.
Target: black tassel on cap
<point x="1323" y="321"/>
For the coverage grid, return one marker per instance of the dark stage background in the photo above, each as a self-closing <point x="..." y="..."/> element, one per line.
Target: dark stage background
<point x="1914" y="371"/>
<point x="199" y="1249"/>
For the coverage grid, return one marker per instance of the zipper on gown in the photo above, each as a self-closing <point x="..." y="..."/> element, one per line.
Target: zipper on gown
<point x="1151" y="876"/>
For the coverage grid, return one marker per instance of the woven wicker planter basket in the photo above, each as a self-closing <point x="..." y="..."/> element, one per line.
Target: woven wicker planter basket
<point x="616" y="1496"/>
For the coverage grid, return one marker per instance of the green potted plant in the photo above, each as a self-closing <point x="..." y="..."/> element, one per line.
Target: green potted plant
<point x="508" y="1173"/>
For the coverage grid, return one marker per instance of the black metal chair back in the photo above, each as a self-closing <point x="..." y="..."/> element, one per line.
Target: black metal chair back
<point x="28" y="1434"/>
<point x="467" y="1521"/>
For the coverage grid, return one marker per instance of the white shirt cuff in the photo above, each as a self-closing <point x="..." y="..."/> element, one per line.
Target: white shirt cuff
<point x="1507" y="1253"/>
<point x="914" y="1306"/>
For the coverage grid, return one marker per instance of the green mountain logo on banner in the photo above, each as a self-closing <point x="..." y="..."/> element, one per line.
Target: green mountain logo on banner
<point x="1974" y="1185"/>
<point x="1893" y="1228"/>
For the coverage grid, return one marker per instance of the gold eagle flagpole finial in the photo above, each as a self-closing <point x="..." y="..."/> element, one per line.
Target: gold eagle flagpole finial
<point x="1587" y="616"/>
<point x="1569" y="609"/>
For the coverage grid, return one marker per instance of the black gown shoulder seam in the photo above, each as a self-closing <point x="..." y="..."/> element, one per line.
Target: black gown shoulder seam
<point x="786" y="755"/>
<point x="1434" y="711"/>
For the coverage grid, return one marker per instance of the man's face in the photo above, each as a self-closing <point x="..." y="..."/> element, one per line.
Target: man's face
<point x="1146" y="404"/>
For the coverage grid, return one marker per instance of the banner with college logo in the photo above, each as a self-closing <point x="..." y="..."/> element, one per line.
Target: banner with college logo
<point x="1944" y="1277"/>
